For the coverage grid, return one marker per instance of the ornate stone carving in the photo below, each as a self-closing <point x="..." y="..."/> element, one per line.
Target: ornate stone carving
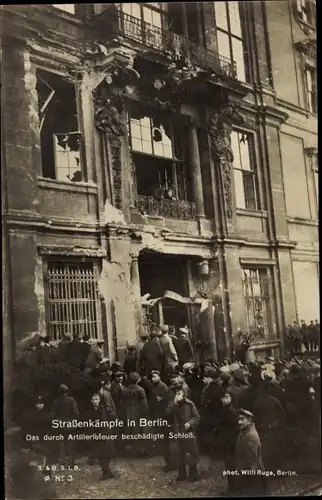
<point x="220" y="126"/>
<point x="110" y="117"/>
<point x="307" y="49"/>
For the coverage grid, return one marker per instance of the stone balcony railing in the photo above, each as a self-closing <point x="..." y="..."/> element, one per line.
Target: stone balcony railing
<point x="119" y="24"/>
<point x="175" y="209"/>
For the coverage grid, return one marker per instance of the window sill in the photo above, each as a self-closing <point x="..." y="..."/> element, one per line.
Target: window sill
<point x="79" y="187"/>
<point x="252" y="213"/>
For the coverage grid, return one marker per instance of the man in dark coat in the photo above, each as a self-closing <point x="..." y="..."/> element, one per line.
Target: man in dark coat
<point x="62" y="352"/>
<point x="238" y="387"/>
<point x="311" y="336"/>
<point x="183" y="347"/>
<point x="135" y="407"/>
<point x="65" y="408"/>
<point x="270" y="420"/>
<point x="186" y="418"/>
<point x="77" y="352"/>
<point x="305" y="334"/>
<point x="170" y="353"/>
<point x="159" y="395"/>
<point x="100" y="449"/>
<point x="210" y="408"/>
<point x="117" y="393"/>
<point x="248" y="456"/>
<point x="317" y="334"/>
<point x="228" y="432"/>
<point x="105" y="394"/>
<point x="30" y="358"/>
<point x="296" y="332"/>
<point x="130" y="362"/>
<point x="37" y="422"/>
<point x="152" y="356"/>
<point x="141" y="341"/>
<point x="194" y="382"/>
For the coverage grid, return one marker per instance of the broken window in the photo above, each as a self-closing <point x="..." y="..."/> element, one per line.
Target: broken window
<point x="157" y="151"/>
<point x="60" y="137"/>
<point x="72" y="299"/>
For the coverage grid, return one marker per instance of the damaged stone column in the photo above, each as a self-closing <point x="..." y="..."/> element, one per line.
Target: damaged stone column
<point x="194" y="162"/>
<point x="136" y="288"/>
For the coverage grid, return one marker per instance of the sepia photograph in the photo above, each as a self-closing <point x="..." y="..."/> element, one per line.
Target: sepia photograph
<point x="160" y="250"/>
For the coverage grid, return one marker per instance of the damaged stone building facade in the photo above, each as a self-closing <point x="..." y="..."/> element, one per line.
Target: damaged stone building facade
<point x="159" y="163"/>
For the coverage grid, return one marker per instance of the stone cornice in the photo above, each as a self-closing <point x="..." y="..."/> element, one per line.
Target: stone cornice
<point x="273" y="115"/>
<point x="72" y="251"/>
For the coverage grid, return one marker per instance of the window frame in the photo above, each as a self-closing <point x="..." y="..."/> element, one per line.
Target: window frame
<point x="174" y="161"/>
<point x="162" y="10"/>
<point x="251" y="172"/>
<point x="269" y="309"/>
<point x="310" y="95"/>
<point x="66" y="262"/>
<point x="232" y="36"/>
<point x="305" y="12"/>
<point x="42" y="116"/>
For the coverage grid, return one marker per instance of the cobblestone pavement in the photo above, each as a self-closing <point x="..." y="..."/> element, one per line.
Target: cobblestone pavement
<point x="144" y="478"/>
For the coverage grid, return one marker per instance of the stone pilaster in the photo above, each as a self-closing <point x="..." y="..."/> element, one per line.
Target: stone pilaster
<point x="195" y="168"/>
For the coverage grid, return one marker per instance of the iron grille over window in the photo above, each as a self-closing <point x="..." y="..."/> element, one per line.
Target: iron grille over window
<point x="244" y="170"/>
<point x="229" y="34"/>
<point x="257" y="293"/>
<point x="72" y="299"/>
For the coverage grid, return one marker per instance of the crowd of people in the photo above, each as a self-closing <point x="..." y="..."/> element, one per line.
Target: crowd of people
<point x="303" y="337"/>
<point x="228" y="410"/>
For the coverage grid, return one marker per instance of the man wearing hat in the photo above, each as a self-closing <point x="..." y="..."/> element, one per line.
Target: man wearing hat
<point x="152" y="356"/>
<point x="159" y="395"/>
<point x="61" y="354"/>
<point x="210" y="407"/>
<point x="65" y="408"/>
<point x="183" y="346"/>
<point x="117" y="392"/>
<point x="105" y="393"/>
<point x="141" y="341"/>
<point x="177" y="380"/>
<point x="44" y="351"/>
<point x="170" y="353"/>
<point x="238" y="386"/>
<point x="130" y="362"/>
<point x="248" y="456"/>
<point x="185" y="420"/>
<point x="135" y="407"/>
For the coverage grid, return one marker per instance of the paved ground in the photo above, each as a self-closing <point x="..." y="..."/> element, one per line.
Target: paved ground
<point x="144" y="478"/>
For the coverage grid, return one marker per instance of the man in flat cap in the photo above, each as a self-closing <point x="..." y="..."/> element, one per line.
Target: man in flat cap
<point x="248" y="457"/>
<point x="183" y="346"/>
<point x="185" y="420"/>
<point x="65" y="408"/>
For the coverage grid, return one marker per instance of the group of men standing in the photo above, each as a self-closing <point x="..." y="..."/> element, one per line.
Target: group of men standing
<point x="303" y="335"/>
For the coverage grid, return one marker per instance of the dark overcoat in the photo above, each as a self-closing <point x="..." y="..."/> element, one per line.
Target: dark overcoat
<point x="99" y="448"/>
<point x="184" y="349"/>
<point x="152" y="356"/>
<point x="185" y="412"/>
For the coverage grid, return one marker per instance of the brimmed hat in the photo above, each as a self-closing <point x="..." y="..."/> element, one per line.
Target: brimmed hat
<point x="188" y="366"/>
<point x="164" y="328"/>
<point x="268" y="375"/>
<point x="245" y="413"/>
<point x="131" y="345"/>
<point x="155" y="372"/>
<point x="176" y="372"/>
<point x="239" y="375"/>
<point x="184" y="329"/>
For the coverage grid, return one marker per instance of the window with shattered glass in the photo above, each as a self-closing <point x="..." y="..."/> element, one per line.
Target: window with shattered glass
<point x="158" y="154"/>
<point x="60" y="137"/>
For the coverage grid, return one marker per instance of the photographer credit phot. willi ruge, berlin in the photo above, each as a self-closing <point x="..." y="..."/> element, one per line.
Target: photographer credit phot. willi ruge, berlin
<point x="160" y="187"/>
